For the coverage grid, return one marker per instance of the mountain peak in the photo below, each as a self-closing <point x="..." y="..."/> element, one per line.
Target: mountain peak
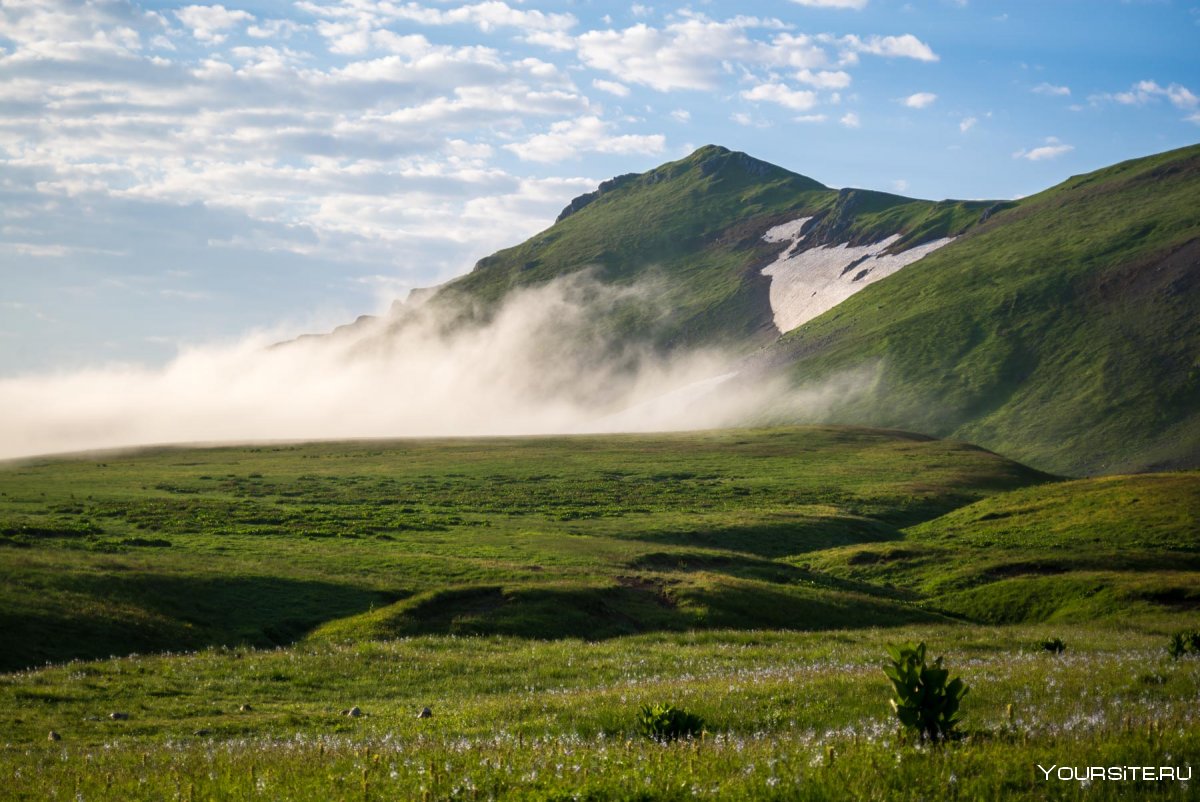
<point x="709" y="160"/>
<point x="714" y="159"/>
<point x="708" y="151"/>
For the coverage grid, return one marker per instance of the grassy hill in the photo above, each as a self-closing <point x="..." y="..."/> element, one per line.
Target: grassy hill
<point x="180" y="548"/>
<point x="535" y="592"/>
<point x="1081" y="550"/>
<point x="1064" y="331"/>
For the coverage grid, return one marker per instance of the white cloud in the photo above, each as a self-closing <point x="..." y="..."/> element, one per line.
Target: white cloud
<point x="50" y="31"/>
<point x="904" y="46"/>
<point x="682" y="115"/>
<point x="365" y="160"/>
<point x="612" y="87"/>
<point x="1145" y="91"/>
<point x="824" y="79"/>
<point x="462" y="151"/>
<point x="554" y="40"/>
<point x="920" y="100"/>
<point x="569" y="138"/>
<point x="695" y="52"/>
<point x="1052" y="90"/>
<point x="967" y="123"/>
<point x="850" y="120"/>
<point x="686" y="55"/>
<point x="486" y="16"/>
<point x="854" y="4"/>
<point x="1051" y="150"/>
<point x="207" y="22"/>
<point x="799" y="100"/>
<point x="900" y="185"/>
<point x="274" y="29"/>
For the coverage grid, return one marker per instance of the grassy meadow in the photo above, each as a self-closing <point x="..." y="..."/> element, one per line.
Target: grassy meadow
<point x="233" y="602"/>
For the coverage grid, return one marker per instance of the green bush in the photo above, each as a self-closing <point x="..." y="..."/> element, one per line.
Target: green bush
<point x="664" y="722"/>
<point x="1184" y="643"/>
<point x="925" y="699"/>
<point x="1054" y="645"/>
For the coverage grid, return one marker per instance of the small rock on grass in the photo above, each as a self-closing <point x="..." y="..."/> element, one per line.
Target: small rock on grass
<point x="118" y="716"/>
<point x="245" y="709"/>
<point x="53" y="736"/>
<point x="353" y="712"/>
<point x="425" y="713"/>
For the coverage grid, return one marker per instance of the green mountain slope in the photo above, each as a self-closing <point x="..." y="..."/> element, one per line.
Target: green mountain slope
<point x="1064" y="331"/>
<point x="690" y="234"/>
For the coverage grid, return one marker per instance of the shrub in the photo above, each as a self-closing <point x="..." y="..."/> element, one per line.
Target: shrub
<point x="925" y="699"/>
<point x="1183" y="643"/>
<point x="664" y="722"/>
<point x="1054" y="645"/>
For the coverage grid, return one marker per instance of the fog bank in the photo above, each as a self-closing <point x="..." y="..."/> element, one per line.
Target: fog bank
<point x="548" y="361"/>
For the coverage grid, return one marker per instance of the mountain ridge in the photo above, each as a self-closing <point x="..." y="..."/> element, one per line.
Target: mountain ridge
<point x="1058" y="328"/>
<point x="699" y="221"/>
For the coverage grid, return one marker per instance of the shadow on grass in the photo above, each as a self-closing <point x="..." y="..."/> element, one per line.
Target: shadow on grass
<point x="80" y="616"/>
<point x="772" y="540"/>
<point x="633" y="605"/>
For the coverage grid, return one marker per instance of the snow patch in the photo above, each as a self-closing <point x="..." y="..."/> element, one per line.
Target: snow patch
<point x="806" y="283"/>
<point x="788" y="232"/>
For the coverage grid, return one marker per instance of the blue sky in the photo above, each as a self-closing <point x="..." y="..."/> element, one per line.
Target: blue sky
<point x="173" y="174"/>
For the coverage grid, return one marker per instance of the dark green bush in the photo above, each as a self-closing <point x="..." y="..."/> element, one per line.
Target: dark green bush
<point x="1184" y="643"/>
<point x="664" y="722"/>
<point x="924" y="698"/>
<point x="1054" y="645"/>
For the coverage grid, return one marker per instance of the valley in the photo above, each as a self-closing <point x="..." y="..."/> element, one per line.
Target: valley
<point x="535" y="591"/>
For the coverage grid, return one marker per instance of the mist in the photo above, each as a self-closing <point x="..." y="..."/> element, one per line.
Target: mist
<point x="547" y="361"/>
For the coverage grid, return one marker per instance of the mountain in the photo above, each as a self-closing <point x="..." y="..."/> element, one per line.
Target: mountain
<point x="693" y="231"/>
<point x="1061" y="329"/>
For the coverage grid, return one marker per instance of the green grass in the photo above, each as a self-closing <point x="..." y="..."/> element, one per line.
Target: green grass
<point x="788" y="716"/>
<point x="1066" y="551"/>
<point x="537" y="592"/>
<point x="182" y="548"/>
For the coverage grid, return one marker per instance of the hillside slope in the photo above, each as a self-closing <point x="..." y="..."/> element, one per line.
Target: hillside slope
<point x="1115" y="546"/>
<point x="690" y="236"/>
<point x="1064" y="331"/>
<point x="179" y="548"/>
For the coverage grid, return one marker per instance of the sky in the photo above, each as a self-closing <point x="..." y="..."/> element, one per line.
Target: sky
<point x="175" y="174"/>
